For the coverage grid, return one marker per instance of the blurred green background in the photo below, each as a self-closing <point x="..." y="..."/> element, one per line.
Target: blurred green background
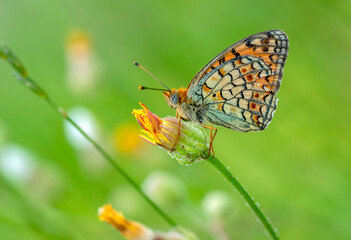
<point x="52" y="182"/>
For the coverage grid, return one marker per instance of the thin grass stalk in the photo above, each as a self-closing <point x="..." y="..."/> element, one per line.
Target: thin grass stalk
<point x="23" y="77"/>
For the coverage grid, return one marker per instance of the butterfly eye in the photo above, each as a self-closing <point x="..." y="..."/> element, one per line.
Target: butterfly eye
<point x="174" y="99"/>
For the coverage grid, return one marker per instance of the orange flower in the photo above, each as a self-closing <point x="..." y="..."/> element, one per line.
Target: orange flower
<point x="157" y="131"/>
<point x="136" y="231"/>
<point x="129" y="229"/>
<point x="192" y="144"/>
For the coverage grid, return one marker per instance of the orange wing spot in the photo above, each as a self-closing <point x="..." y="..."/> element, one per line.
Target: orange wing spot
<point x="271" y="87"/>
<point x="229" y="56"/>
<point x="265" y="49"/>
<point x="217" y="96"/>
<point x="265" y="40"/>
<point x="255" y="119"/>
<point x="268" y="80"/>
<point x="240" y="48"/>
<point x="206" y="89"/>
<point x="248" y="51"/>
<point x="238" y="62"/>
<point x="216" y="64"/>
<point x="274" y="57"/>
<point x="253" y="106"/>
<point x="256" y="95"/>
<point x="262" y="80"/>
<point x="243" y="70"/>
<point x="226" y="58"/>
<point x="220" y="106"/>
<point x="249" y="77"/>
<point x="222" y="72"/>
<point x="271" y="79"/>
<point x="260" y="85"/>
<point x="264" y="56"/>
<point x="273" y="66"/>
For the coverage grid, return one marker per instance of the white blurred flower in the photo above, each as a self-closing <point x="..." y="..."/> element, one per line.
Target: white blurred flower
<point x="215" y="203"/>
<point x="85" y="120"/>
<point x="164" y="188"/>
<point x="23" y="168"/>
<point x="90" y="159"/>
<point x="16" y="163"/>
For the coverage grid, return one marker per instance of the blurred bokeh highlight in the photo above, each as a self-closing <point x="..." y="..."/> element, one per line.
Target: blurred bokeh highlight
<point x="81" y="52"/>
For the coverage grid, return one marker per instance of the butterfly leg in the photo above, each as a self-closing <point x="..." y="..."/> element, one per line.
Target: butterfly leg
<point x="212" y="138"/>
<point x="175" y="142"/>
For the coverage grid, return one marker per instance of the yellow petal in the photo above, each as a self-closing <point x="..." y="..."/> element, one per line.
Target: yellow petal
<point x="154" y="139"/>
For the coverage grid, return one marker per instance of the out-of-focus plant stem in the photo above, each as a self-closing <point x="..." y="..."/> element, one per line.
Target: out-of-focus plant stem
<point x="22" y="75"/>
<point x="244" y="194"/>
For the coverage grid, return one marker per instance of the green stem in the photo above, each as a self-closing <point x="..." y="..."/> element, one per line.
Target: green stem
<point x="22" y="75"/>
<point x="112" y="162"/>
<point x="241" y="190"/>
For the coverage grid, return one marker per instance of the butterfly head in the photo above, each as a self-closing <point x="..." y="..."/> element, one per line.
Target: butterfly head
<point x="174" y="97"/>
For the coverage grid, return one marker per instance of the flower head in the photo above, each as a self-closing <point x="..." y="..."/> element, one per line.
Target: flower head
<point x="192" y="144"/>
<point x="136" y="231"/>
<point x="129" y="229"/>
<point x="152" y="126"/>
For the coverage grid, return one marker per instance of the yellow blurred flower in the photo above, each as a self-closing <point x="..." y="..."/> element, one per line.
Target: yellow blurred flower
<point x="126" y="139"/>
<point x="78" y="43"/>
<point x="80" y="61"/>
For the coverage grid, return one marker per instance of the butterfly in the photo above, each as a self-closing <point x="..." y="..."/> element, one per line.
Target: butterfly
<point x="236" y="89"/>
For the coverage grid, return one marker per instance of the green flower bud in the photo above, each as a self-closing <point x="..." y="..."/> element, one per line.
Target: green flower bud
<point x="192" y="143"/>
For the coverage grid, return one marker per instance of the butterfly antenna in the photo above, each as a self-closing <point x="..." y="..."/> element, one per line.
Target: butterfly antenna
<point x="141" y="87"/>
<point x="150" y="88"/>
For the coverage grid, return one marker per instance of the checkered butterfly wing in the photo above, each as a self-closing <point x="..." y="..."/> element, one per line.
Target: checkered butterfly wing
<point x="237" y="89"/>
